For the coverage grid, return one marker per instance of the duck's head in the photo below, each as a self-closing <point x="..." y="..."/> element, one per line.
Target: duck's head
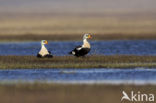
<point x="43" y="42"/>
<point x="87" y="36"/>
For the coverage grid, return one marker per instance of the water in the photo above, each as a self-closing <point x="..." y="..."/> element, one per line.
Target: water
<point x="86" y="76"/>
<point x="80" y="76"/>
<point x="115" y="47"/>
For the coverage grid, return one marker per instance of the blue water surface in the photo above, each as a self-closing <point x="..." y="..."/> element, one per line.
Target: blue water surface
<point x="80" y="76"/>
<point x="115" y="47"/>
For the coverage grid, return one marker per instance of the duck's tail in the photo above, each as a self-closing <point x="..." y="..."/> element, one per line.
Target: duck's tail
<point x="70" y="52"/>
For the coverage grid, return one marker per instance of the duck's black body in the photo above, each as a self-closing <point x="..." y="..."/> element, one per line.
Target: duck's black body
<point x="80" y="51"/>
<point x="83" y="50"/>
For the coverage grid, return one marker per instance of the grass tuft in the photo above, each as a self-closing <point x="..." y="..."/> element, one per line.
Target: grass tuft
<point x="121" y="61"/>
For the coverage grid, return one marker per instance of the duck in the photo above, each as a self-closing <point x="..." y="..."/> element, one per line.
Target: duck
<point x="81" y="51"/>
<point x="44" y="53"/>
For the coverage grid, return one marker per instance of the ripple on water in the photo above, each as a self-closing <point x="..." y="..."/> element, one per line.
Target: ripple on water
<point x="80" y="76"/>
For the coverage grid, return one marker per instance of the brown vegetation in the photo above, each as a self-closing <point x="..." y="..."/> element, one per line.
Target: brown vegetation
<point x="64" y="37"/>
<point x="56" y="93"/>
<point x="117" y="24"/>
<point x="121" y="61"/>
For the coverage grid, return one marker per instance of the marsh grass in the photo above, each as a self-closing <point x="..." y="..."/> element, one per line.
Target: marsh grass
<point x="47" y="93"/>
<point x="69" y="27"/>
<point x="121" y="61"/>
<point x="77" y="37"/>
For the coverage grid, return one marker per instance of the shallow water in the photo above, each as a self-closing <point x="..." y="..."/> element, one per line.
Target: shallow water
<point x="115" y="47"/>
<point x="80" y="76"/>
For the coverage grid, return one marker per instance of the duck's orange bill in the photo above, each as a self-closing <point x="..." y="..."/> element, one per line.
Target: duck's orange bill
<point x="46" y="42"/>
<point x="89" y="36"/>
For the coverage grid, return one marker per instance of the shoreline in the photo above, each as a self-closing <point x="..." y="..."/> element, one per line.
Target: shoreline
<point x="92" y="61"/>
<point x="76" y="37"/>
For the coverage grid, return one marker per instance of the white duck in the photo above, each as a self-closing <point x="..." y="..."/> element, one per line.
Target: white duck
<point x="44" y="53"/>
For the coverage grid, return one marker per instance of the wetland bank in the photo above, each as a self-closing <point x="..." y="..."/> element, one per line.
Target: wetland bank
<point x="123" y="47"/>
<point x="40" y="93"/>
<point x="31" y="62"/>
